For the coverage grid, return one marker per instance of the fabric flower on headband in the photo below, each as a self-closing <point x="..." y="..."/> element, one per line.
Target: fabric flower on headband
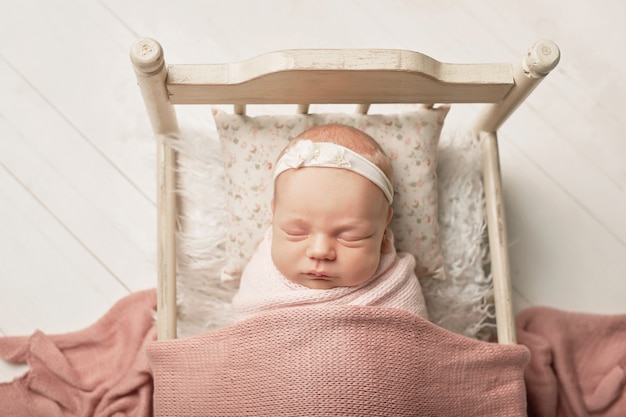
<point x="306" y="152"/>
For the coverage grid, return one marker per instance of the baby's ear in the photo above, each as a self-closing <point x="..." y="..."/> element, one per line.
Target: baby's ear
<point x="389" y="215"/>
<point x="387" y="244"/>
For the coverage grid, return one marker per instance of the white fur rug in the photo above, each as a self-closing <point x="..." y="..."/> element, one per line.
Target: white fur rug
<point x="462" y="303"/>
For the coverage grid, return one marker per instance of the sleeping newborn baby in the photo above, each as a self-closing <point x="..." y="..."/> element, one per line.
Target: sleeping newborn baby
<point x="329" y="241"/>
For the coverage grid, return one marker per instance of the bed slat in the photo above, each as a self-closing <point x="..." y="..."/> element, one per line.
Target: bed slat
<point x="337" y="76"/>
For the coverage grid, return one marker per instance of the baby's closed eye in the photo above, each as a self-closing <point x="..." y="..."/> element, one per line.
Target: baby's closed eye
<point x="295" y="233"/>
<point x="354" y="238"/>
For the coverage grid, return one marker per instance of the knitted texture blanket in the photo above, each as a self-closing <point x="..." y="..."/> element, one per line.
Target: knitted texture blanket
<point x="337" y="360"/>
<point x="100" y="371"/>
<point x="578" y="363"/>
<point x="263" y="288"/>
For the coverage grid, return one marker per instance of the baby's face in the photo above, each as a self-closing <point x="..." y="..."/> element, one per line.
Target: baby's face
<point x="328" y="226"/>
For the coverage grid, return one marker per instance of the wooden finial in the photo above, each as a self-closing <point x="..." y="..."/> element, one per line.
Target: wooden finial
<point x="541" y="58"/>
<point x="146" y="55"/>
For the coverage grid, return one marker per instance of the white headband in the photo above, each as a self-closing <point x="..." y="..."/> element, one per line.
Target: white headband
<point x="307" y="153"/>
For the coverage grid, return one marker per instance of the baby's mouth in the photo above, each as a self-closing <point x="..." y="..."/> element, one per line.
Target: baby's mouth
<point x="317" y="275"/>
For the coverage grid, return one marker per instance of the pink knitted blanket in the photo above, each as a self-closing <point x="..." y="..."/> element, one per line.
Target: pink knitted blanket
<point x="263" y="288"/>
<point x="337" y="360"/>
<point x="100" y="371"/>
<point x="578" y="363"/>
<point x="304" y="361"/>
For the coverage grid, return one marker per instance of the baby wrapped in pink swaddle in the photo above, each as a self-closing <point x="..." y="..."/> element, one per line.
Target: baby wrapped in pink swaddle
<point x="329" y="242"/>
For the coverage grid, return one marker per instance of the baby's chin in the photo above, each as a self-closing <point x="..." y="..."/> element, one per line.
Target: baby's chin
<point x="321" y="283"/>
<point x="315" y="283"/>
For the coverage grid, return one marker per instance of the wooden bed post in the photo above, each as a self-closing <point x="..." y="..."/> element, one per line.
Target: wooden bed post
<point x="149" y="65"/>
<point x="498" y="241"/>
<point x="541" y="58"/>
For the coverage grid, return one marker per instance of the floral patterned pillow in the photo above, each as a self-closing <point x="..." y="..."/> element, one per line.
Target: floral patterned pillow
<point x="251" y="145"/>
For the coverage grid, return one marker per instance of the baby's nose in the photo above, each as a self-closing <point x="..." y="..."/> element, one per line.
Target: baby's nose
<point x="321" y="247"/>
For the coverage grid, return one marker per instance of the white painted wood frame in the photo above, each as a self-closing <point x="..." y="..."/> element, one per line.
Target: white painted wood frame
<point x="354" y="76"/>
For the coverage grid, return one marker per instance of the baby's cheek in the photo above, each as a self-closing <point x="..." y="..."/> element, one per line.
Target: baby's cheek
<point x="278" y="254"/>
<point x="369" y="264"/>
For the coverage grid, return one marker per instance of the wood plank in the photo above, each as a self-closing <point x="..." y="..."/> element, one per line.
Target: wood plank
<point x="582" y="98"/>
<point x="575" y="171"/>
<point x="83" y="70"/>
<point x="440" y="29"/>
<point x="76" y="183"/>
<point x="519" y="302"/>
<point x="49" y="280"/>
<point x="560" y="255"/>
<point x="286" y="24"/>
<point x="8" y="371"/>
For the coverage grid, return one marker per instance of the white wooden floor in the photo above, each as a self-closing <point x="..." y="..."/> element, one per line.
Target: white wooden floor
<point x="77" y="211"/>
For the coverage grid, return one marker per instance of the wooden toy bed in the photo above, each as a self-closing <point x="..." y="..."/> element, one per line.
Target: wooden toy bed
<point x="361" y="77"/>
<point x="287" y="362"/>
